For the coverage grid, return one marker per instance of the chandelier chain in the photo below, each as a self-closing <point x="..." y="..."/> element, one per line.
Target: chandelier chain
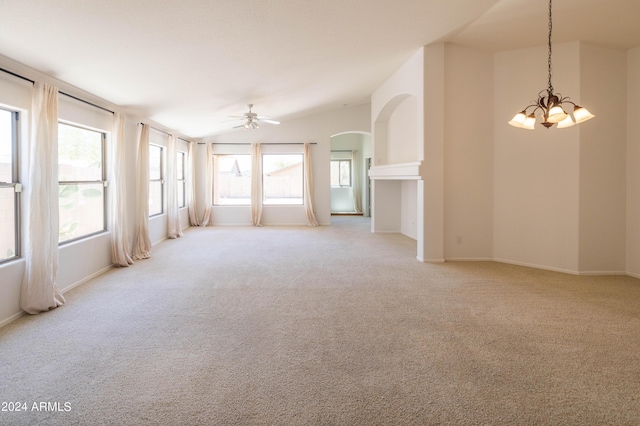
<point x="549" y="59"/>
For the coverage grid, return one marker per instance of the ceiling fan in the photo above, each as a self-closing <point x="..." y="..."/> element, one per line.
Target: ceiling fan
<point x="253" y="120"/>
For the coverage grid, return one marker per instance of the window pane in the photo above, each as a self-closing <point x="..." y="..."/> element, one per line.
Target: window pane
<point x="7" y="223"/>
<point x="282" y="179"/>
<point x="6" y="147"/>
<point x="345" y="173"/>
<point x="155" y="198"/>
<point x="155" y="162"/>
<point x="81" y="210"/>
<point x="181" y="199"/>
<point x="335" y="173"/>
<point x="232" y="179"/>
<point x="180" y="168"/>
<point x="79" y="154"/>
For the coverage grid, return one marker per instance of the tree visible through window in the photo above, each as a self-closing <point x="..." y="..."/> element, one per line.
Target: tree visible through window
<point x="9" y="186"/>
<point x="81" y="193"/>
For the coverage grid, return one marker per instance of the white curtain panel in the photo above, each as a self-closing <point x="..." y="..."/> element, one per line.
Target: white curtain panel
<point x="308" y="187"/>
<point x="256" y="184"/>
<point x="356" y="180"/>
<point x="142" y="242"/>
<point x="39" y="291"/>
<point x="174" y="230"/>
<point x="191" y="188"/>
<point x="207" y="218"/>
<point x="120" y="249"/>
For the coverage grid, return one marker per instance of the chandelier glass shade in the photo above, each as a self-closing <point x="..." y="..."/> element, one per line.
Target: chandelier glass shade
<point x="551" y="106"/>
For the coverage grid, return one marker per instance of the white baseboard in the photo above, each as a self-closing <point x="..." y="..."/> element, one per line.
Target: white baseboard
<point x="469" y="259"/>
<point x="603" y="273"/>
<point x="11" y="318"/>
<point x="85" y="279"/>
<point x="533" y="265"/>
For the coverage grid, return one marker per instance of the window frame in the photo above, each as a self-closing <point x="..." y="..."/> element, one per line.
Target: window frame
<point x="216" y="159"/>
<point x="160" y="179"/>
<point x="15" y="184"/>
<point x="182" y="181"/>
<point x="341" y="160"/>
<point x="103" y="181"/>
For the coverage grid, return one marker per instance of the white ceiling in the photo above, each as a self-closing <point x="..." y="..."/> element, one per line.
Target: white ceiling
<point x="189" y="64"/>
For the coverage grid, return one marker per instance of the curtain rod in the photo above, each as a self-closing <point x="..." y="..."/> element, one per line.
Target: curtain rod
<point x="60" y="92"/>
<point x="264" y="143"/>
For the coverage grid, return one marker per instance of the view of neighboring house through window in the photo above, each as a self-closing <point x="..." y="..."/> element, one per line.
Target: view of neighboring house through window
<point x="232" y="179"/>
<point x="282" y="178"/>
<point x="9" y="186"/>
<point x="182" y="182"/>
<point x="156" y="180"/>
<point x="81" y="192"/>
<point x="340" y="173"/>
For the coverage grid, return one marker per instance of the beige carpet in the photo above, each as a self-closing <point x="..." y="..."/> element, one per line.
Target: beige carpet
<point x="326" y="326"/>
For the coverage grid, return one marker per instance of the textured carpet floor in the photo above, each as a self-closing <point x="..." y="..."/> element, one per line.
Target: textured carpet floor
<point x="325" y="326"/>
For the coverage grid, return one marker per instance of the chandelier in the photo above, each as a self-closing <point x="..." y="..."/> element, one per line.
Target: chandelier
<point x="550" y="105"/>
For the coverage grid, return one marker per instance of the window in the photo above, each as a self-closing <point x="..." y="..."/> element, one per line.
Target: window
<point x="156" y="180"/>
<point x="282" y="178"/>
<point x="81" y="181"/>
<point x="182" y="182"/>
<point x="340" y="172"/>
<point x="232" y="179"/>
<point x="9" y="186"/>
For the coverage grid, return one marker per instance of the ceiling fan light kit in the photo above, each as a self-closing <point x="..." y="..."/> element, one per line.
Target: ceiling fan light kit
<point x="550" y="105"/>
<point x="253" y="120"/>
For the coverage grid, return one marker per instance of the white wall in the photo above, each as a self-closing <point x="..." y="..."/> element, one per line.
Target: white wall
<point x="317" y="129"/>
<point x="536" y="172"/>
<point x="633" y="159"/>
<point x="603" y="143"/>
<point x="402" y="132"/>
<point x="468" y="154"/>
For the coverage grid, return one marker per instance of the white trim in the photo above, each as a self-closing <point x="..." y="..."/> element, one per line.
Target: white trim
<point x="430" y="260"/>
<point x="532" y="265"/>
<point x="469" y="259"/>
<point x="85" y="279"/>
<point x="602" y="273"/>
<point x="11" y="318"/>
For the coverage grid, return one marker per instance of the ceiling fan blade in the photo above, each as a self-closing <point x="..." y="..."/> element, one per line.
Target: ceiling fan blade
<point x="269" y="121"/>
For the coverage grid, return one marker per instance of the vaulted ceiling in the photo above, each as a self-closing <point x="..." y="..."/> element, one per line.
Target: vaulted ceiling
<point x="189" y="64"/>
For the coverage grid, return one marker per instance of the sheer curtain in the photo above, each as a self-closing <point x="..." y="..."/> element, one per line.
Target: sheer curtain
<point x="356" y="178"/>
<point x="191" y="188"/>
<point x="120" y="255"/>
<point x="308" y="187"/>
<point x="174" y="230"/>
<point x="142" y="243"/>
<point x="256" y="184"/>
<point x="207" y="218"/>
<point x="39" y="291"/>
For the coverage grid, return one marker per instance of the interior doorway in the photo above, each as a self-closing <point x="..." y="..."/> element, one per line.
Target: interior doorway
<point x="349" y="173"/>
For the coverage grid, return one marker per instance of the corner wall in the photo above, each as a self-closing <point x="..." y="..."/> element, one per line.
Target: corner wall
<point x="603" y="86"/>
<point x="633" y="159"/>
<point x="468" y="154"/>
<point x="536" y="172"/>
